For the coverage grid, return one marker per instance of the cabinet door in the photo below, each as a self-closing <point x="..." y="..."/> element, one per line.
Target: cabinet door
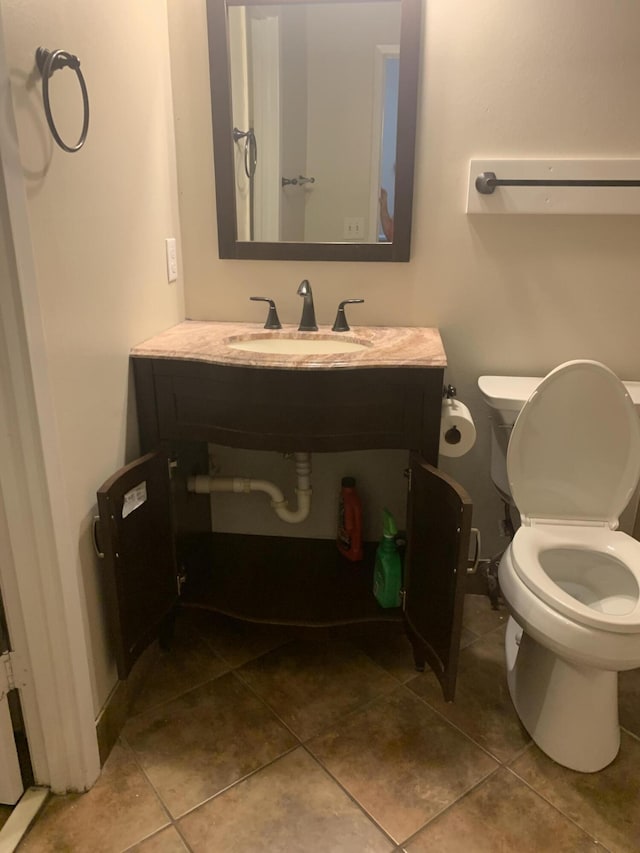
<point x="134" y="535"/>
<point x="439" y="524"/>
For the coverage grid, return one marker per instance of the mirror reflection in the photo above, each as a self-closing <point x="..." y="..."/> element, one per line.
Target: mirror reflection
<point x="314" y="92"/>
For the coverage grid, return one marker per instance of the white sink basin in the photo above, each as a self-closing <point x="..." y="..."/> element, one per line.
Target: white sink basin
<point x="285" y="345"/>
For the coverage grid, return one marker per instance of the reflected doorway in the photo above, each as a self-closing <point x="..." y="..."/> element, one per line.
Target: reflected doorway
<point x="383" y="159"/>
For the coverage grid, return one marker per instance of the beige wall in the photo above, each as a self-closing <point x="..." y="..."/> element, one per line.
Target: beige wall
<point x="522" y="294"/>
<point x="98" y="222"/>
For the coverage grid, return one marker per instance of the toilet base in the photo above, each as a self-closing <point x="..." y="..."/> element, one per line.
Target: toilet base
<point x="570" y="710"/>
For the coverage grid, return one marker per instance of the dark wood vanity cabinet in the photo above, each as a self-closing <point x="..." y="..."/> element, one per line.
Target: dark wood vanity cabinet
<point x="157" y="540"/>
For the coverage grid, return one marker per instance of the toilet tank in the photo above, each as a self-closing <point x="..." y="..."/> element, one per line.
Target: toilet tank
<point x="505" y="396"/>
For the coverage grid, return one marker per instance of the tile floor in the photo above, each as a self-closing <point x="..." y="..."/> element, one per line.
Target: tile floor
<point x="249" y="738"/>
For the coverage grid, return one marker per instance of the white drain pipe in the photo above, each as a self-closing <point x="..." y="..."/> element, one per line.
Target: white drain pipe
<point x="202" y="484"/>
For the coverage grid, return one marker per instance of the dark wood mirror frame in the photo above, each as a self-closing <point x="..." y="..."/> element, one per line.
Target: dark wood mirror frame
<point x="223" y="147"/>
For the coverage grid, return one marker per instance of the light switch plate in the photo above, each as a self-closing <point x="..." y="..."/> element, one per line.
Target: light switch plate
<point x="353" y="228"/>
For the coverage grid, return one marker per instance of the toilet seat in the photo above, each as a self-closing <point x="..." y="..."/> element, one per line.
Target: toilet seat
<point x="574" y="453"/>
<point x="573" y="464"/>
<point x="595" y="552"/>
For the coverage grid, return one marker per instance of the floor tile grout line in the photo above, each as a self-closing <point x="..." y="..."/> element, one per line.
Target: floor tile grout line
<point x="304" y="744"/>
<point x="348" y="714"/>
<point x="415" y="674"/>
<point x="255" y="657"/>
<point x="157" y="832"/>
<point x="474" y="634"/>
<point x="409" y="678"/>
<point x="207" y="641"/>
<point x="215" y="653"/>
<point x="235" y="672"/>
<point x="138" y="764"/>
<point x="520" y="752"/>
<point x="227" y="663"/>
<point x="175" y="820"/>
<point x="156" y="707"/>
<point x="341" y="719"/>
<point x="397" y="688"/>
<point x="237" y="782"/>
<point x="344" y="716"/>
<point x="398" y="845"/>
<point x="231" y="669"/>
<point x="469" y="645"/>
<point x="297" y="745"/>
<point x="418" y="674"/>
<point x="348" y="793"/>
<point x="178" y="829"/>
<point x="506" y="765"/>
<point x="630" y="733"/>
<point x="462" y="731"/>
<point x="556" y="808"/>
<point x="452" y="804"/>
<point x="267" y="705"/>
<point x="235" y="669"/>
<point x="484" y="633"/>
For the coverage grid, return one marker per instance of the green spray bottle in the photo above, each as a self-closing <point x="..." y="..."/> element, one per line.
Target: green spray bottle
<point x="387" y="574"/>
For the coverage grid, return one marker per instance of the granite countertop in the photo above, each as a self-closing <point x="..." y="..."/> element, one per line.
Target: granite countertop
<point x="387" y="346"/>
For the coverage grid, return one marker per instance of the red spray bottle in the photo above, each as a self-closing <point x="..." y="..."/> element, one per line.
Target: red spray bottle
<point x="349" y="537"/>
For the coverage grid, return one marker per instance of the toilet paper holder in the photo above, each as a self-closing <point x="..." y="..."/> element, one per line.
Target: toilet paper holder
<point x="457" y="430"/>
<point x="452" y="435"/>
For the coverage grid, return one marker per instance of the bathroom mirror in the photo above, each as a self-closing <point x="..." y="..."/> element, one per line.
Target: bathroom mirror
<point x="314" y="115"/>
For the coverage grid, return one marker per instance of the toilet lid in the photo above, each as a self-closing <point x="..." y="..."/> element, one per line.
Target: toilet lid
<point x="574" y="453"/>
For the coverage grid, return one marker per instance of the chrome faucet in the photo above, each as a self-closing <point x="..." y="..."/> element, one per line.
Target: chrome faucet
<point x="308" y="319"/>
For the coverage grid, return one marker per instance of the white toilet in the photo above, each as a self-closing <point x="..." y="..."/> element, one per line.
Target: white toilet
<point x="571" y="581"/>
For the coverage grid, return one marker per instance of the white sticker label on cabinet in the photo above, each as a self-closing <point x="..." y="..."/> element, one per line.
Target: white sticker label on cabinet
<point x="134" y="498"/>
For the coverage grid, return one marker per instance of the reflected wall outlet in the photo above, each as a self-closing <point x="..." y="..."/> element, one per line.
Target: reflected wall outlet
<point x="172" y="259"/>
<point x="353" y="228"/>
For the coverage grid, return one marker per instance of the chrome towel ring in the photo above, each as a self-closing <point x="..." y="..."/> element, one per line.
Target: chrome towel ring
<point x="49" y="61"/>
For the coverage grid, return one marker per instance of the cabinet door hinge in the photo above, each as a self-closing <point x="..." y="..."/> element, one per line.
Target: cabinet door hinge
<point x="173" y="465"/>
<point x="407" y="474"/>
<point x="403" y="599"/>
<point x="181" y="579"/>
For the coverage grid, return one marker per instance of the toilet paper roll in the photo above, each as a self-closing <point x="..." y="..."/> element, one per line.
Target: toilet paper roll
<point x="457" y="429"/>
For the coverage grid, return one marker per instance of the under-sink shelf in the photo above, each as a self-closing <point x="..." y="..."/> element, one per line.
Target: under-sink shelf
<point x="280" y="580"/>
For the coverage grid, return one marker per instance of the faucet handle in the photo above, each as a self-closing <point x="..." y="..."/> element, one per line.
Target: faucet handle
<point x="273" y="321"/>
<point x="341" y="324"/>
